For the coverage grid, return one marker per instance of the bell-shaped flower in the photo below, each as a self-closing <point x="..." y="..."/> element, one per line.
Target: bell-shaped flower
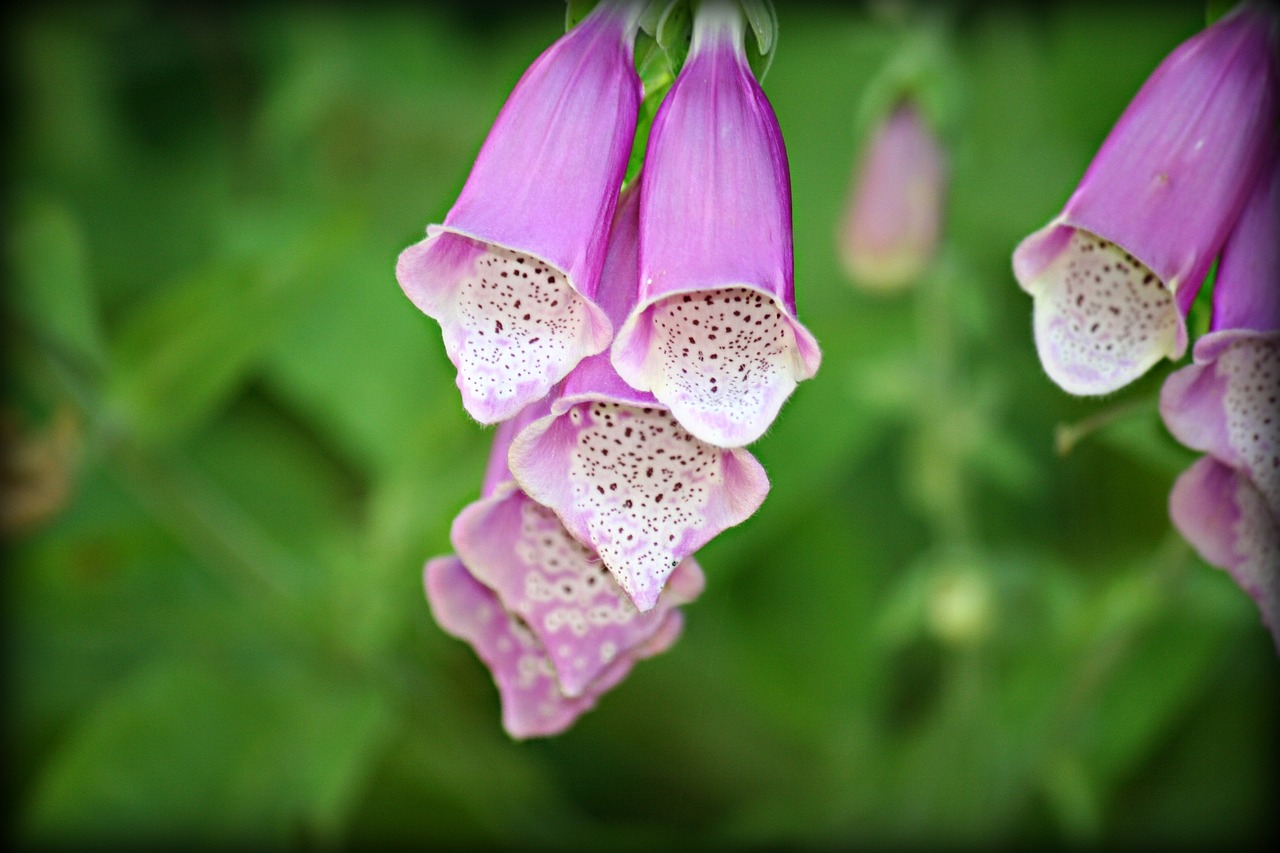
<point x="622" y="473"/>
<point x="533" y="704"/>
<point x="557" y="587"/>
<point x="1226" y="405"/>
<point x="714" y="334"/>
<point x="1115" y="272"/>
<point x="511" y="275"/>
<point x="889" y="231"/>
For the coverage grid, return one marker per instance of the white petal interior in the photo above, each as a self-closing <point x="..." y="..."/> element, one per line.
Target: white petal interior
<point x="520" y="327"/>
<point x="641" y="481"/>
<point x="725" y="360"/>
<point x="1102" y="319"/>
<point x="1251" y="368"/>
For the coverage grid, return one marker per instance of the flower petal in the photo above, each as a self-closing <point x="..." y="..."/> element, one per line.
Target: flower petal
<point x="512" y="325"/>
<point x="558" y="587"/>
<point x="1229" y="523"/>
<point x="1226" y="405"/>
<point x="891" y="224"/>
<point x="532" y="704"/>
<point x="1164" y="190"/>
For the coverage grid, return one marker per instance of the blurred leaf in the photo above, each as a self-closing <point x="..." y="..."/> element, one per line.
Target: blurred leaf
<point x="185" y="350"/>
<point x="575" y="11"/>
<point x="52" y="291"/>
<point x="198" y="750"/>
<point x="1143" y="437"/>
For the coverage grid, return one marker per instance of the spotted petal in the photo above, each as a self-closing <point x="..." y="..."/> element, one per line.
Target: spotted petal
<point x="558" y="587"/>
<point x="532" y="703"/>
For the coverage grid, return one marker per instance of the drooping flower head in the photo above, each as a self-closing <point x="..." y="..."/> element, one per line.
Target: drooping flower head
<point x="890" y="228"/>
<point x="539" y="607"/>
<point x="512" y="273"/>
<point x="714" y="334"/>
<point x="622" y="473"/>
<point x="1227" y="404"/>
<point x="1115" y="272"/>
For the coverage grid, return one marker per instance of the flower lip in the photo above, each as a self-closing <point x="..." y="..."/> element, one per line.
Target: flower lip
<point x="532" y="702"/>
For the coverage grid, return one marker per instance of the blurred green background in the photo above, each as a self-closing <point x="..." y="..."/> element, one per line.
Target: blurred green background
<point x="231" y="443"/>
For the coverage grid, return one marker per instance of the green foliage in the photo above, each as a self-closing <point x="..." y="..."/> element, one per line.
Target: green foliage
<point x="960" y="616"/>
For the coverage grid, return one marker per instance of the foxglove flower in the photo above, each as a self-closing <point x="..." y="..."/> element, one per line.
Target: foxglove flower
<point x="889" y="232"/>
<point x="714" y="334"/>
<point x="533" y="704"/>
<point x="1225" y="404"/>
<point x="538" y="607"/>
<point x="512" y="273"/>
<point x="622" y="473"/>
<point x="1115" y="272"/>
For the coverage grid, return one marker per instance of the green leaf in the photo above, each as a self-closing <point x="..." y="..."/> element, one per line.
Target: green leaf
<point x="674" y="33"/>
<point x="186" y="350"/>
<point x="763" y="19"/>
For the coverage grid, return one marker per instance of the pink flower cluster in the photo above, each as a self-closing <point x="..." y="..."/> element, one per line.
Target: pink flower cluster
<point x="628" y="343"/>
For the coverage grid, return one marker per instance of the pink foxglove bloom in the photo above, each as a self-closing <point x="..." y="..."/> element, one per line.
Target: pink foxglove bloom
<point x="889" y="232"/>
<point x="533" y="705"/>
<point x="1227" y="404"/>
<point x="1115" y="272"/>
<point x="622" y="473"/>
<point x="512" y="273"/>
<point x="714" y="334"/>
<point x="559" y="588"/>
<point x="540" y="610"/>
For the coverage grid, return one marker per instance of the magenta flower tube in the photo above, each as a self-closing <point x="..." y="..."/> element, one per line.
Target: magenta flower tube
<point x="1227" y="404"/>
<point x="1114" y="273"/>
<point x="511" y="274"/>
<point x="889" y="232"/>
<point x="622" y="473"/>
<point x="714" y="334"/>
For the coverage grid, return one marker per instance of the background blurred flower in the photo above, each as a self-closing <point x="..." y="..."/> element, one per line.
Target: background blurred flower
<point x="1114" y="274"/>
<point x="889" y="231"/>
